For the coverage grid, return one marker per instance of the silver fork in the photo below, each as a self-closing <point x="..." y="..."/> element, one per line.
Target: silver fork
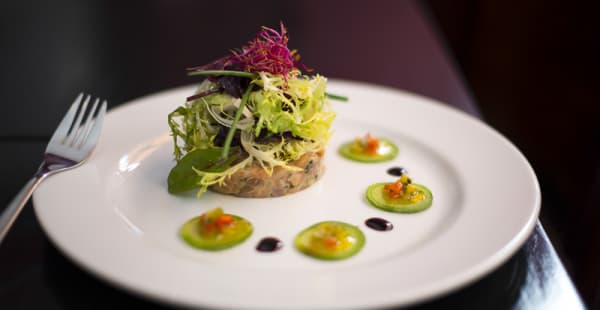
<point x="70" y="145"/>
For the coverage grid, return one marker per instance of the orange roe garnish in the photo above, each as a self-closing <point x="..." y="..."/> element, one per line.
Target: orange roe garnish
<point x="214" y="221"/>
<point x="372" y="145"/>
<point x="209" y="228"/>
<point x="394" y="190"/>
<point x="330" y="241"/>
<point x="368" y="145"/>
<point x="224" y="220"/>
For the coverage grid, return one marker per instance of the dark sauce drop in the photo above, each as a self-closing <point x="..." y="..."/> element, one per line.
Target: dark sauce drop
<point x="379" y="224"/>
<point x="269" y="244"/>
<point x="397" y="171"/>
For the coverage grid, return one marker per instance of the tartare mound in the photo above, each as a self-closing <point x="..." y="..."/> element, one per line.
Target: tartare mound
<point x="254" y="182"/>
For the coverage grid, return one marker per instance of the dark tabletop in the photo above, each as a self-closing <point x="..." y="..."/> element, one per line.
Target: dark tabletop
<point x="120" y="51"/>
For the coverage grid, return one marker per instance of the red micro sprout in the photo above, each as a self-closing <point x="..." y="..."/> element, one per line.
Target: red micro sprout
<point x="267" y="52"/>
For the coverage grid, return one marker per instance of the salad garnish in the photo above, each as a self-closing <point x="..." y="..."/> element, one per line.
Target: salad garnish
<point x="215" y="230"/>
<point x="404" y="189"/>
<point x="255" y="105"/>
<point x="369" y="149"/>
<point x="330" y="240"/>
<point x="401" y="196"/>
<point x="368" y="145"/>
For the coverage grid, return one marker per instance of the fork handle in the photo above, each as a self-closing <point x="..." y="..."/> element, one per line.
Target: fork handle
<point x="9" y="215"/>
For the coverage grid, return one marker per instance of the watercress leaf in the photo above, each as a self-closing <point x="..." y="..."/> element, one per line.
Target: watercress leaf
<point x="224" y="164"/>
<point x="182" y="177"/>
<point x="187" y="174"/>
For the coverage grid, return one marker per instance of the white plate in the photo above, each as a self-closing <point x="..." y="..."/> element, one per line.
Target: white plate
<point x="114" y="217"/>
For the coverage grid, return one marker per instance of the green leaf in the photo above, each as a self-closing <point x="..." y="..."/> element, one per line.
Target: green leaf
<point x="236" y="118"/>
<point x="336" y="97"/>
<point x="183" y="178"/>
<point x="224" y="72"/>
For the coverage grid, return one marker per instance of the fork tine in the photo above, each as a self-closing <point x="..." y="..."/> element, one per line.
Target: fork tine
<point x="75" y="128"/>
<point x="63" y="128"/>
<point x="90" y="141"/>
<point x="87" y="125"/>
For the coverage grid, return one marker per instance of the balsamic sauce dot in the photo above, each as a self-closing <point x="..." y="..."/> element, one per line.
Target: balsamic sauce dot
<point x="397" y="171"/>
<point x="379" y="224"/>
<point x="269" y="244"/>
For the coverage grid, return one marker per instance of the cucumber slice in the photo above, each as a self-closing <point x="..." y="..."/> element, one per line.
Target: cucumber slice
<point x="387" y="151"/>
<point x="228" y="237"/>
<point x="377" y="197"/>
<point x="316" y="240"/>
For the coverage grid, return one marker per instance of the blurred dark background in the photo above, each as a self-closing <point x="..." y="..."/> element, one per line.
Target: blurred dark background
<point x="531" y="66"/>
